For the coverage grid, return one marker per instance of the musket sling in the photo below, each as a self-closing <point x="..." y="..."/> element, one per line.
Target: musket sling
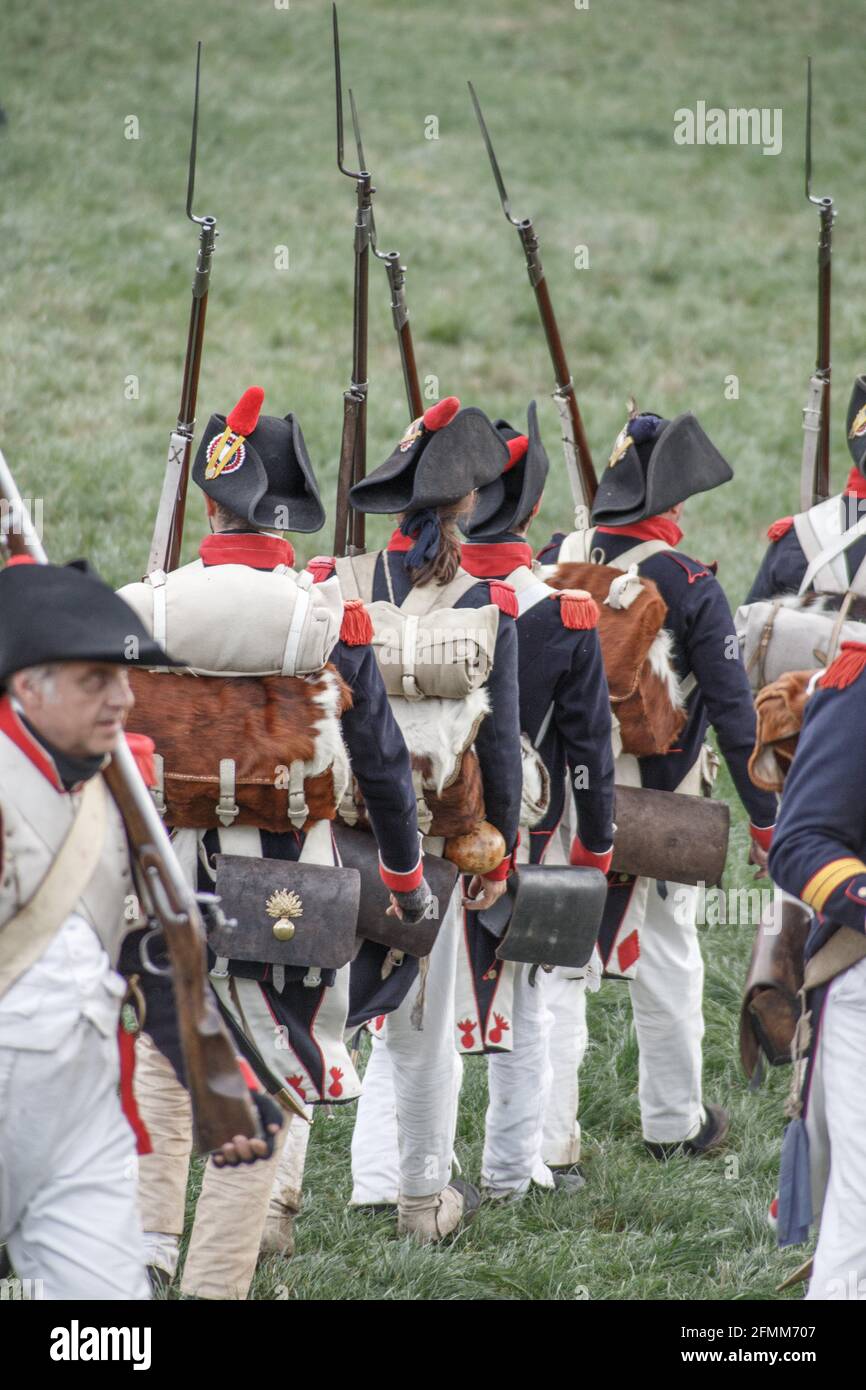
<point x="29" y="933"/>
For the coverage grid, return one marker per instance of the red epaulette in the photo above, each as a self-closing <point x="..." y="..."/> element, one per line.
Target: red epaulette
<point x="504" y="596"/>
<point x="357" y="626"/>
<point x="849" y="664"/>
<point x="321" y="567"/>
<point x="779" y="528"/>
<point x="578" y="609"/>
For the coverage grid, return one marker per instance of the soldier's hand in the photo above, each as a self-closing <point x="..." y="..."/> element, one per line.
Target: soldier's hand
<point x="411" y="907"/>
<point x="244" y="1150"/>
<point x="483" y="892"/>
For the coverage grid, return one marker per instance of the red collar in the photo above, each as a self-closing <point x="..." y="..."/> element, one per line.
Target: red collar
<point x="855" y="483"/>
<point x="12" y="727"/>
<point x="259" y="551"/>
<point x="652" y="528"/>
<point x="495" y="560"/>
<point x="398" y="542"/>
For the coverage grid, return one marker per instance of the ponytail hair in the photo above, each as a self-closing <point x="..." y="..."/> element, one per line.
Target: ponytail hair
<point x="435" y="556"/>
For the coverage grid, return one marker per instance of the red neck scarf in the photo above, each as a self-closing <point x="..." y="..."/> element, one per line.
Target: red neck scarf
<point x="652" y="528"/>
<point x="855" y="483"/>
<point x="496" y="559"/>
<point x="12" y="727"/>
<point x="252" y="548"/>
<point x="400" y="543"/>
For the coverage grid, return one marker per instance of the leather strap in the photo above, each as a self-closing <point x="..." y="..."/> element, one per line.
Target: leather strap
<point x="29" y="933"/>
<point x="844" y="949"/>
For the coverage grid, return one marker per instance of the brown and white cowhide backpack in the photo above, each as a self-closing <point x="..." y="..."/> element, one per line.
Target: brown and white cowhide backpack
<point x="646" y="695"/>
<point x="249" y="733"/>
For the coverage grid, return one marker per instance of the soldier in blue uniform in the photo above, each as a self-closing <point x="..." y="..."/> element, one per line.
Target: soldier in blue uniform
<point x="404" y="1135"/>
<point x="649" y="929"/>
<point x="819" y="855"/>
<point x="295" y="1029"/>
<point x="795" y="541"/>
<point x="565" y="715"/>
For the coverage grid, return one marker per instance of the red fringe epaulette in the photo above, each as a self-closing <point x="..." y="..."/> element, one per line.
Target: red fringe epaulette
<point x="321" y="567"/>
<point x="779" y="528"/>
<point x="504" y="597"/>
<point x="357" y="628"/>
<point x="578" y="609"/>
<point x="849" y="664"/>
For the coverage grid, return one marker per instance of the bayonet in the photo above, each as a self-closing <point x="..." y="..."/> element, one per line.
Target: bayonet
<point x="168" y="529"/>
<point x="349" y="525"/>
<point x="396" y="274"/>
<point x="815" y="468"/>
<point x="578" y="459"/>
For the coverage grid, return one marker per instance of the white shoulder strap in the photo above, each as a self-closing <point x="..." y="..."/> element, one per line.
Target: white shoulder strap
<point x="356" y="574"/>
<point x="815" y="532"/>
<point x="529" y="588"/>
<point x="638" y="553"/>
<point x="576" y="548"/>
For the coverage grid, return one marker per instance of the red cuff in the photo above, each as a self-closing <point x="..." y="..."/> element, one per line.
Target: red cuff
<point x="508" y="865"/>
<point x="582" y="858"/>
<point x="762" y="835"/>
<point x="402" y="883"/>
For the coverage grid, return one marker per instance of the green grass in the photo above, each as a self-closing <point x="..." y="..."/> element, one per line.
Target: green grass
<point x="702" y="264"/>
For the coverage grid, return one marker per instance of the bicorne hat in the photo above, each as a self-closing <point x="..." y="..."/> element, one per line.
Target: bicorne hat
<point x="654" y="464"/>
<point x="258" y="466"/>
<point x="510" y="498"/>
<point x="856" y="423"/>
<point x="443" y="455"/>
<point x="51" y="613"/>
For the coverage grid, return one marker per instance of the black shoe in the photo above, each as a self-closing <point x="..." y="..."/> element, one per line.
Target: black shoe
<point x="471" y="1196"/>
<point x="709" y="1138"/>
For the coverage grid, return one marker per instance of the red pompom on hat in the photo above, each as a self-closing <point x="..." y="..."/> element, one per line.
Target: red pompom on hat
<point x="245" y="416"/>
<point x="517" y="448"/>
<point x="440" y="414"/>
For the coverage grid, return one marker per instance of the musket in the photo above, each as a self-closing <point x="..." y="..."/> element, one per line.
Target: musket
<point x="220" y="1099"/>
<point x="396" y="274"/>
<point x="578" y="459"/>
<point x="349" y="525"/>
<point x="168" y="529"/>
<point x="815" y="468"/>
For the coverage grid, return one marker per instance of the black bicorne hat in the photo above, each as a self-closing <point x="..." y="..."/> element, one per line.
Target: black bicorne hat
<point x="856" y="423"/>
<point x="258" y="466"/>
<point x="654" y="464"/>
<point x="51" y="613"/>
<point x="442" y="456"/>
<point x="510" y="498"/>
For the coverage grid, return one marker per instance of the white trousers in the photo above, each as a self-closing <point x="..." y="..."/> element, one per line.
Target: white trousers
<point x="403" y="1142"/>
<point x="518" y="1084"/>
<point x="836" y="1124"/>
<point x="68" y="1204"/>
<point x="565" y="998"/>
<point x="233" y="1203"/>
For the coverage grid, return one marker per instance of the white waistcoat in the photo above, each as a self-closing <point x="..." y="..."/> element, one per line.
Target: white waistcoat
<point x="35" y="821"/>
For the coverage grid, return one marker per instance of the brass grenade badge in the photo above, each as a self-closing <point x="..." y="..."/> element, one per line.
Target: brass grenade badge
<point x="284" y="905"/>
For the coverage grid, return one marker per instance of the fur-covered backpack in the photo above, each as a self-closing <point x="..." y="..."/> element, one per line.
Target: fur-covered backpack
<point x="647" y="697"/>
<point x="435" y="660"/>
<point x="249" y="733"/>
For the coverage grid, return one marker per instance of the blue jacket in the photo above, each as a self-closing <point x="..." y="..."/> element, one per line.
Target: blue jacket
<point x="700" y="621"/>
<point x="559" y="666"/>
<point x="819" y="847"/>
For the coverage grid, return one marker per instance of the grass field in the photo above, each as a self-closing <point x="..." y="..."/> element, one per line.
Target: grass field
<point x="701" y="266"/>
